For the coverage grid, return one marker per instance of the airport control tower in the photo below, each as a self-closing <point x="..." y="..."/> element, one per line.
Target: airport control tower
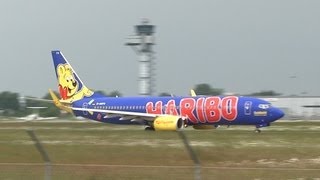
<point x="142" y="43"/>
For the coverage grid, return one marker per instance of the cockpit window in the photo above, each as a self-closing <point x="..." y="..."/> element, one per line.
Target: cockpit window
<point x="264" y="106"/>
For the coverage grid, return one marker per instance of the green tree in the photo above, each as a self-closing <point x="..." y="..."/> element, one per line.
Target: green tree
<point x="206" y="89"/>
<point x="265" y="93"/>
<point x="164" y="94"/>
<point x="9" y="102"/>
<point x="115" y="93"/>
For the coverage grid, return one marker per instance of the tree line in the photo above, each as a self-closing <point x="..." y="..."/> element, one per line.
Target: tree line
<point x="12" y="104"/>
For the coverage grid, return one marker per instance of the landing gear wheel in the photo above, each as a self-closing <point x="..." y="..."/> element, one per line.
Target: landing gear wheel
<point x="148" y="128"/>
<point x="257" y="130"/>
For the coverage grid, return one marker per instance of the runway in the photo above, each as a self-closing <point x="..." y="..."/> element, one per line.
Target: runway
<point x="154" y="166"/>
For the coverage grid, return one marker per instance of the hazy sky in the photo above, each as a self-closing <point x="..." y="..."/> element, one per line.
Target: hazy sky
<point x="241" y="46"/>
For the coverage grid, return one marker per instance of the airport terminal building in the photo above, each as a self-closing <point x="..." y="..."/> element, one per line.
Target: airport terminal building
<point x="297" y="107"/>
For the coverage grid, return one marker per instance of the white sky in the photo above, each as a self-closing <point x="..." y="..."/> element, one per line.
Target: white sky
<point x="241" y="46"/>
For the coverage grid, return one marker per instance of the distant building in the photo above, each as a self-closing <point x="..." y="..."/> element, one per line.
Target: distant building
<point x="299" y="107"/>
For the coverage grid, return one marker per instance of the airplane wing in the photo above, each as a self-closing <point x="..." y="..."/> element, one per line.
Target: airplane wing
<point x="153" y="121"/>
<point x="124" y="115"/>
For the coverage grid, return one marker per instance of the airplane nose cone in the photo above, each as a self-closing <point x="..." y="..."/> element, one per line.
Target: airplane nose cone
<point x="277" y="113"/>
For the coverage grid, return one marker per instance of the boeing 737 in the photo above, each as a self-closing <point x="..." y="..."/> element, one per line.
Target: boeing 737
<point x="158" y="113"/>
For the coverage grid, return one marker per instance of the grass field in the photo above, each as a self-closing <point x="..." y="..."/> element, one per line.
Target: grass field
<point x="286" y="150"/>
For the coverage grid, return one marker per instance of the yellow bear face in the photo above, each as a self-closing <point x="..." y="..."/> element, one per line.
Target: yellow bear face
<point x="68" y="85"/>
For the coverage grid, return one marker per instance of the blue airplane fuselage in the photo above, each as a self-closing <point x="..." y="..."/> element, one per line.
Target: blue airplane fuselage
<point x="200" y="110"/>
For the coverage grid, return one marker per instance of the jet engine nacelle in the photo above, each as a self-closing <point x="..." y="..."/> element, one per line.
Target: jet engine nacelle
<point x="168" y="123"/>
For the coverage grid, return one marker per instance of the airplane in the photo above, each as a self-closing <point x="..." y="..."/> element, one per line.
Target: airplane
<point x="158" y="113"/>
<point x="35" y="116"/>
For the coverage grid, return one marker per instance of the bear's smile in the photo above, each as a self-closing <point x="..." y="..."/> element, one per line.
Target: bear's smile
<point x="74" y="84"/>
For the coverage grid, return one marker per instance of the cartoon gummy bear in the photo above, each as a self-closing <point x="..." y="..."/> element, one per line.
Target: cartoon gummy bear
<point x="70" y="88"/>
<point x="68" y="85"/>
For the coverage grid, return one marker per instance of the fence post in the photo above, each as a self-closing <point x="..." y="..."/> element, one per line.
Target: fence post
<point x="194" y="157"/>
<point x="43" y="153"/>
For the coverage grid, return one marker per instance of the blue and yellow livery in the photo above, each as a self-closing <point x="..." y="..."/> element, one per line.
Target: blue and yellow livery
<point x="158" y="113"/>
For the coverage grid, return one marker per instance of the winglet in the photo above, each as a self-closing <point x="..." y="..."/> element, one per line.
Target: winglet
<point x="58" y="103"/>
<point x="193" y="93"/>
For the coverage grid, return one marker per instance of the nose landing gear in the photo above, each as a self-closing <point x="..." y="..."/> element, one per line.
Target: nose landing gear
<point x="257" y="130"/>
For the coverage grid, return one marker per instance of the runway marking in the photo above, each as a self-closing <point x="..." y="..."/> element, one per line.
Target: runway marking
<point x="163" y="166"/>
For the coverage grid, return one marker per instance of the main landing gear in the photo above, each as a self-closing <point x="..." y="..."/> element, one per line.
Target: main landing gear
<point x="149" y="128"/>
